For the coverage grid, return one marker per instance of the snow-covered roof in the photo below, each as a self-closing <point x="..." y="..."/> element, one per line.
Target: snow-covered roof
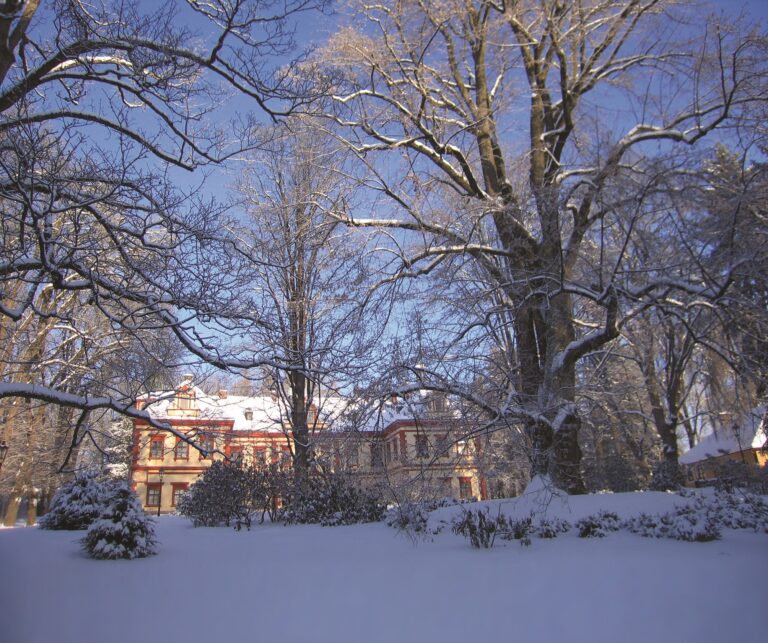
<point x="379" y="415"/>
<point x="750" y="433"/>
<point x="249" y="413"/>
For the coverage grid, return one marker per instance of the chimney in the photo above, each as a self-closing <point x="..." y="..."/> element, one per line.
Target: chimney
<point x="223" y="394"/>
<point x="187" y="377"/>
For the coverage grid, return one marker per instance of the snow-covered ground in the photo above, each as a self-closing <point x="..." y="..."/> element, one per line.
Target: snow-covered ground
<point x="369" y="584"/>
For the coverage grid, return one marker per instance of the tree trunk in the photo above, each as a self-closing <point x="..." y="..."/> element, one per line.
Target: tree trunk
<point x="299" y="425"/>
<point x="12" y="511"/>
<point x="31" y="509"/>
<point x="566" y="457"/>
<point x="555" y="453"/>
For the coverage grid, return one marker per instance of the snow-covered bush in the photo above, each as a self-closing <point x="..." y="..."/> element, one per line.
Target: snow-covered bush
<point x="230" y="493"/>
<point x="702" y="519"/>
<point x="76" y="504"/>
<point x="667" y="476"/>
<point x="516" y="529"/>
<point x="330" y="500"/>
<point x="478" y="526"/>
<point x="482" y="529"/>
<point x="739" y="511"/>
<point x="413" y="517"/>
<point x="598" y="525"/>
<point x="685" y="523"/>
<point x="551" y="527"/>
<point x="123" y="530"/>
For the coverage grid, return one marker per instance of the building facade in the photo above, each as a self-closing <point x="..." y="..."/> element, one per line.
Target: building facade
<point x="410" y="451"/>
<point x="743" y="443"/>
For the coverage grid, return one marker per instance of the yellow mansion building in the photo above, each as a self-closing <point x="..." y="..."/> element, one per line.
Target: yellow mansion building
<point x="414" y="451"/>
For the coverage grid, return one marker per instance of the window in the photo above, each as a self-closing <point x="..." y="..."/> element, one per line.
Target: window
<point x="388" y="453"/>
<point x="207" y="444"/>
<point x="179" y="489"/>
<point x="436" y="404"/>
<point x="154" y="492"/>
<point x="376" y="461"/>
<point x="394" y="449"/>
<point x="465" y="488"/>
<point x="422" y="446"/>
<point x="403" y="447"/>
<point x="444" y="446"/>
<point x="234" y="453"/>
<point x="185" y="400"/>
<point x="156" y="447"/>
<point x="181" y="452"/>
<point x="260" y="456"/>
<point x="353" y="459"/>
<point x="286" y="459"/>
<point x="248" y="415"/>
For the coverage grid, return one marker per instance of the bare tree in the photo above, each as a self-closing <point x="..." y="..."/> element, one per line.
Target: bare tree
<point x="309" y="275"/>
<point x="100" y="104"/>
<point x="499" y="117"/>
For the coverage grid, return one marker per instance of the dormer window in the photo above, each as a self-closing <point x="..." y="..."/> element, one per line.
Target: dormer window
<point x="437" y="404"/>
<point x="248" y="415"/>
<point x="185" y="400"/>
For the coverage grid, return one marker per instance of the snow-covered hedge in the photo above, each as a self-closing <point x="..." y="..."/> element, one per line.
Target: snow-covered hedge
<point x="123" y="530"/>
<point x="701" y="519"/>
<point x="331" y="500"/>
<point x="598" y="525"/>
<point x="482" y="529"/>
<point x="413" y="517"/>
<point x="77" y="503"/>
<point x="231" y="493"/>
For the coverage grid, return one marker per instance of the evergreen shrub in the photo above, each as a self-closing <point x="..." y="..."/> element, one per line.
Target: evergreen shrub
<point x="76" y="504"/>
<point x="123" y="530"/>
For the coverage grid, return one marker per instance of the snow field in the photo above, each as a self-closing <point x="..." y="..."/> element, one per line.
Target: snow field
<point x="371" y="584"/>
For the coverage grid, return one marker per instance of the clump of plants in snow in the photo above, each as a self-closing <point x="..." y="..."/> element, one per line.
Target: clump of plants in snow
<point x="598" y="525"/>
<point x="701" y="520"/>
<point x="123" y="530"/>
<point x="413" y="517"/>
<point x="735" y="510"/>
<point x="482" y="529"/>
<point x="110" y="511"/>
<point x="479" y="527"/>
<point x="231" y="493"/>
<point x="77" y="503"/>
<point x="331" y="500"/>
<point x="551" y="527"/>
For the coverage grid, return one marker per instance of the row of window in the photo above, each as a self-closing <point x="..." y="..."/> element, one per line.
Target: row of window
<point x="394" y="450"/>
<point x="155" y="493"/>
<point x="181" y="450"/>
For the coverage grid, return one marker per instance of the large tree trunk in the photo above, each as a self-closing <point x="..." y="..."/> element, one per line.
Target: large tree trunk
<point x="300" y="425"/>
<point x="667" y="474"/>
<point x="555" y="451"/>
<point x="12" y="511"/>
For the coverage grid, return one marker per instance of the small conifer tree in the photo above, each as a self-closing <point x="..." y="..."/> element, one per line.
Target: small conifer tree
<point x="123" y="530"/>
